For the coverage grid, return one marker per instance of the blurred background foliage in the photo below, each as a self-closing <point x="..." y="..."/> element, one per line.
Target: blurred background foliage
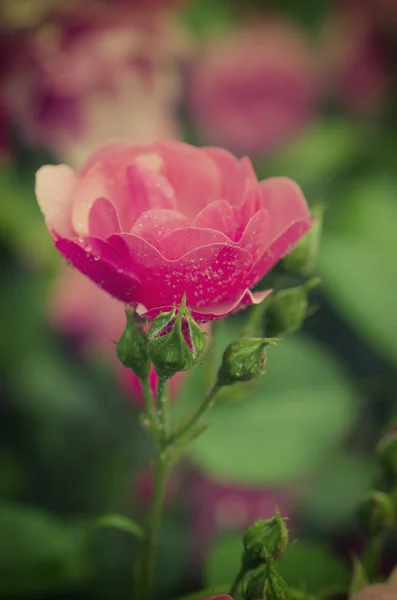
<point x="306" y="89"/>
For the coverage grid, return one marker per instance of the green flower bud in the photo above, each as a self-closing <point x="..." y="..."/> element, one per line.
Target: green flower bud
<point x="264" y="541"/>
<point x="288" y="308"/>
<point x="132" y="348"/>
<point x="303" y="257"/>
<point x="243" y="360"/>
<point x="376" y="513"/>
<point x="387" y="453"/>
<point x="176" y="341"/>
<point x="276" y="588"/>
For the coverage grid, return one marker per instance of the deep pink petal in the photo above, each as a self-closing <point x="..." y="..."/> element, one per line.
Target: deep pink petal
<point x="103" y="219"/>
<point x="219" y="216"/>
<point x="212" y="312"/>
<point x="153" y="224"/>
<point x="193" y="175"/>
<point x="149" y="189"/>
<point x="55" y="186"/>
<point x="181" y="241"/>
<point x="104" y="265"/>
<point x="209" y="274"/>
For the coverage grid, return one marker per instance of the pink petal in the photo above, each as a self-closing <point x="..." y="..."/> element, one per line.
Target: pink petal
<point x="208" y="274"/>
<point x="234" y="174"/>
<point x="284" y="201"/>
<point x="103" y="219"/>
<point x="181" y="241"/>
<point x="55" y="186"/>
<point x="212" y="312"/>
<point x="104" y="265"/>
<point x="255" y="238"/>
<point x="153" y="224"/>
<point x="102" y="153"/>
<point x="219" y="216"/>
<point x="149" y="189"/>
<point x="192" y="174"/>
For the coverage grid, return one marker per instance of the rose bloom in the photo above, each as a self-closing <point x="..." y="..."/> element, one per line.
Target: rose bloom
<point x="80" y="309"/>
<point x="254" y="89"/>
<point x="87" y="77"/>
<point x="377" y="592"/>
<point x="355" y="67"/>
<point x="219" y="507"/>
<point x="150" y="223"/>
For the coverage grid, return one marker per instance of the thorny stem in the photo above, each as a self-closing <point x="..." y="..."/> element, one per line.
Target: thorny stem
<point x="202" y="407"/>
<point x="149" y="402"/>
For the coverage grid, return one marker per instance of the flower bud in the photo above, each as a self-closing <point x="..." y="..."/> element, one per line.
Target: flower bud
<point x="264" y="541"/>
<point x="376" y="513"/>
<point x="288" y="308"/>
<point x="387" y="453"/>
<point x="303" y="257"/>
<point x="132" y="348"/>
<point x="243" y="360"/>
<point x="176" y="341"/>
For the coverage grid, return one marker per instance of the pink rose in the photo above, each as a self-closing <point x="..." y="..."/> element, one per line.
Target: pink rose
<point x="79" y="308"/>
<point x="253" y="89"/>
<point x="92" y="75"/>
<point x="149" y="223"/>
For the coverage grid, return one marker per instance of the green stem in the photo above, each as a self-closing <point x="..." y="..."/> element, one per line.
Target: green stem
<point x="237" y="582"/>
<point x="206" y="403"/>
<point x="153" y="529"/>
<point x="163" y="408"/>
<point x="149" y="402"/>
<point x="372" y="556"/>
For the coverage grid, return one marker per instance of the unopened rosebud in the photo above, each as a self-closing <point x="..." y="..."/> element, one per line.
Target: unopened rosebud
<point x="264" y="541"/>
<point x="288" y="308"/>
<point x="132" y="348"/>
<point x="376" y="513"/>
<point x="303" y="257"/>
<point x="175" y="341"/>
<point x="387" y="453"/>
<point x="243" y="360"/>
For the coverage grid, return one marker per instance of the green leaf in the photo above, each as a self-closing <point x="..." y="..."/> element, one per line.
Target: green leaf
<point x="300" y="411"/>
<point x="121" y="523"/>
<point x="360" y="579"/>
<point x="313" y="567"/>
<point x="357" y="263"/>
<point x="37" y="552"/>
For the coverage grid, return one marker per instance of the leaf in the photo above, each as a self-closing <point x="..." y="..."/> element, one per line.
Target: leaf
<point x="121" y="523"/>
<point x="357" y="263"/>
<point x="359" y="579"/>
<point x="38" y="553"/>
<point x="299" y="412"/>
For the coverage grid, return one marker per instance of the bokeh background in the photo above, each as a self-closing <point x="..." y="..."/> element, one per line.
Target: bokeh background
<point x="306" y="89"/>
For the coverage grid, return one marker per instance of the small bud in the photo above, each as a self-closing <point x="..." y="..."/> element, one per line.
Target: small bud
<point x="387" y="453"/>
<point x="376" y="513"/>
<point x="288" y="308"/>
<point x="175" y="341"/>
<point x="264" y="541"/>
<point x="132" y="348"/>
<point x="303" y="257"/>
<point x="243" y="360"/>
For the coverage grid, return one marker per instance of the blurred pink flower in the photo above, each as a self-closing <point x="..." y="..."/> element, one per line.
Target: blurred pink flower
<point x="253" y="89"/>
<point x="219" y="507"/>
<point x="79" y="308"/>
<point x="150" y="223"/>
<point x="355" y="68"/>
<point x="94" y="75"/>
<point x="377" y="592"/>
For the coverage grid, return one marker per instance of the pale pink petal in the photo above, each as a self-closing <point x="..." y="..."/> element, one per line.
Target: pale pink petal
<point x="209" y="274"/>
<point x="104" y="265"/>
<point x="181" y="241"/>
<point x="101" y="153"/>
<point x="103" y="219"/>
<point x="153" y="224"/>
<point x="255" y="238"/>
<point x="220" y="216"/>
<point x="193" y="175"/>
<point x="55" y="186"/>
<point x="149" y="189"/>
